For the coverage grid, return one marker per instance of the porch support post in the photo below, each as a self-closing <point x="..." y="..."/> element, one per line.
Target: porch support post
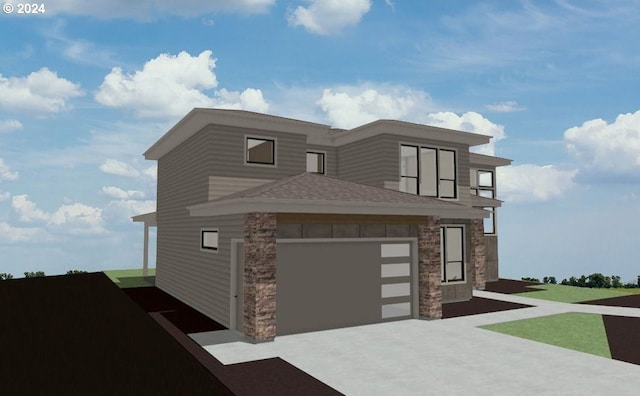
<point x="145" y="254"/>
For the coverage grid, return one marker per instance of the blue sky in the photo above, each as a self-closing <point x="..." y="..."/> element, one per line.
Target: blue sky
<point x="87" y="87"/>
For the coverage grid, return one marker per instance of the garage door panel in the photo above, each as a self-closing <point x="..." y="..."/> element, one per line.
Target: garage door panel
<point x="327" y="285"/>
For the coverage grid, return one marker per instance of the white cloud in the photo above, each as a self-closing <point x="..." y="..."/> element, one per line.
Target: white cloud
<point x="150" y="9"/>
<point x="470" y="122"/>
<point x="78" y="218"/>
<point x="391" y="5"/>
<point x="348" y="107"/>
<point x="170" y="86"/>
<point x="119" y="193"/>
<point x="6" y="173"/>
<point x="329" y="16"/>
<point x="10" y="125"/>
<point x="17" y="234"/>
<point x="4" y="196"/>
<point x="250" y="99"/>
<point x="72" y="218"/>
<point x="152" y="172"/>
<point x="115" y="167"/>
<point x="609" y="148"/>
<point x="533" y="183"/>
<point x="122" y="210"/>
<point x="40" y="92"/>
<point x="509" y="106"/>
<point x="27" y="210"/>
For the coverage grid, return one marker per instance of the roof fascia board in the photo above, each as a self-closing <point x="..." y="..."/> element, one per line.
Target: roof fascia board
<point x="245" y="205"/>
<point x="479" y="201"/>
<point x="148" y="218"/>
<point x="406" y="129"/>
<point x="476" y="159"/>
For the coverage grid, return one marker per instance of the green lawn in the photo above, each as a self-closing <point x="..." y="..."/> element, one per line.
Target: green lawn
<point x="578" y="331"/>
<point x="572" y="294"/>
<point x="129" y="277"/>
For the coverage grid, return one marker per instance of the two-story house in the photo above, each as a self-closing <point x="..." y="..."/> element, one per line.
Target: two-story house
<point x="275" y="226"/>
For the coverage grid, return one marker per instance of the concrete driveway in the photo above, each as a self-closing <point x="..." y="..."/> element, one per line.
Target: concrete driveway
<point x="448" y="357"/>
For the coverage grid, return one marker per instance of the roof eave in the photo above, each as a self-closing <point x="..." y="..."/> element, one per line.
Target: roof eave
<point x="245" y="205"/>
<point x="198" y="118"/>
<point x="476" y="159"/>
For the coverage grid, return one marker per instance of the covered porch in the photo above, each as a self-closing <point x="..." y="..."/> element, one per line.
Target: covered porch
<point x="149" y="220"/>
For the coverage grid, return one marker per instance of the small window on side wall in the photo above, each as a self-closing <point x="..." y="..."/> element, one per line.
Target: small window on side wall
<point x="315" y="162"/>
<point x="209" y="239"/>
<point x="260" y="151"/>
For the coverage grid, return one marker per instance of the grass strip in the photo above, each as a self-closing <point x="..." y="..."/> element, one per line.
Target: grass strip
<point x="581" y="332"/>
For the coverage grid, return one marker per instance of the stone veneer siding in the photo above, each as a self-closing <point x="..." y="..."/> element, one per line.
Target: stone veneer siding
<point x="429" y="273"/>
<point x="260" y="276"/>
<point x="478" y="253"/>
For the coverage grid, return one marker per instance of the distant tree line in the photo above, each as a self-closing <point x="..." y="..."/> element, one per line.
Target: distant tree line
<point x="37" y="274"/>
<point x="596" y="280"/>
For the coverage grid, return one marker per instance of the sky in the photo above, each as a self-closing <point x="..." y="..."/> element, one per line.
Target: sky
<point x="87" y="87"/>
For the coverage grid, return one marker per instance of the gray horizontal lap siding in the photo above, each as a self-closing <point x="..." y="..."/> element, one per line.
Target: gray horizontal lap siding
<point x="227" y="153"/>
<point x="377" y="159"/>
<point x="370" y="161"/>
<point x="202" y="278"/>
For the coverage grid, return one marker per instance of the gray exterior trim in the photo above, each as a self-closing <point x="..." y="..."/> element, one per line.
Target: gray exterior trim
<point x="245" y="205"/>
<point x="479" y="201"/>
<point x="481" y="160"/>
<point x="148" y="218"/>
<point x="407" y="129"/>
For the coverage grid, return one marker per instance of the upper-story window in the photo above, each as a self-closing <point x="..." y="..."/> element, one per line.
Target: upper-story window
<point x="428" y="171"/>
<point x="315" y="162"/>
<point x="260" y="151"/>
<point x="483" y="183"/>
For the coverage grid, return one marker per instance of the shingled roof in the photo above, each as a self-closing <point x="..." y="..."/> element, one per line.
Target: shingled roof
<point x="314" y="193"/>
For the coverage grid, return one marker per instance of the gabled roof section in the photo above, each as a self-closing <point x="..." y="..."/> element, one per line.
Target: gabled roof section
<point x="409" y="129"/>
<point x="314" y="193"/>
<point x="476" y="159"/>
<point x="199" y="118"/>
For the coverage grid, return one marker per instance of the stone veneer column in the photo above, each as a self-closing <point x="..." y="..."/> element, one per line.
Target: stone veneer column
<point x="260" y="276"/>
<point x="429" y="273"/>
<point x="478" y="254"/>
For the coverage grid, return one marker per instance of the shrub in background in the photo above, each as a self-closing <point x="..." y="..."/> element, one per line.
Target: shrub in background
<point x="528" y="279"/>
<point x="5" y="276"/>
<point x="71" y="272"/>
<point x="34" y="274"/>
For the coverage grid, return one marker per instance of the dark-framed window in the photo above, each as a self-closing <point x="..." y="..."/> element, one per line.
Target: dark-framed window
<point x="490" y="222"/>
<point x="315" y="162"/>
<point x="209" y="239"/>
<point x="452" y="253"/>
<point x="483" y="183"/>
<point x="260" y="151"/>
<point x="428" y="171"/>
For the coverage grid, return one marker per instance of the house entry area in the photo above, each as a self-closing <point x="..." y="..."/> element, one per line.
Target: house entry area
<point x="340" y="283"/>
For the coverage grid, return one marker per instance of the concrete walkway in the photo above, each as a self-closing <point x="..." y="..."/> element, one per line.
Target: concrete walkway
<point x="449" y="357"/>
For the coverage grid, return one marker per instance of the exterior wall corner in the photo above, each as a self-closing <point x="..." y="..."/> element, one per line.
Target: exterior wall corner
<point x="429" y="272"/>
<point x="260" y="276"/>
<point x="478" y="254"/>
